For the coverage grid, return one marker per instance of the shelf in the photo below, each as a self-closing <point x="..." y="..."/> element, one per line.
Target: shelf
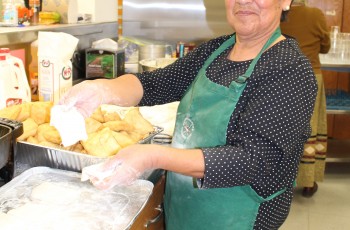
<point x="338" y="150"/>
<point x="336" y="67"/>
<point x="87" y="33"/>
<point x="338" y="102"/>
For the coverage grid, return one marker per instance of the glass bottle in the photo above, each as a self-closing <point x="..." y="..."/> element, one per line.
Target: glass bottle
<point x="34" y="6"/>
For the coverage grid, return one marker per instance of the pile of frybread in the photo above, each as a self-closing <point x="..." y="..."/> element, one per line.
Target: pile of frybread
<point x="107" y="131"/>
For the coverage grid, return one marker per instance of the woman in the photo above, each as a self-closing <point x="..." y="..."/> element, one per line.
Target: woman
<point x="246" y="103"/>
<point x="308" y="26"/>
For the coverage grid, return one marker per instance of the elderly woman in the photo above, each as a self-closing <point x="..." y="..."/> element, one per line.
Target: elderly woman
<point x="245" y="105"/>
<point x="309" y="27"/>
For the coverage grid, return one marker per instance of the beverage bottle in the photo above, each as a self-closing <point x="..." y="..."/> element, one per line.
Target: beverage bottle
<point x="33" y="71"/>
<point x="9" y="13"/>
<point x="14" y="87"/>
<point x="34" y="6"/>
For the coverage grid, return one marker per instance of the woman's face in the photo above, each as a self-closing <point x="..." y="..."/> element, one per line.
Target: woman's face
<point x="254" y="18"/>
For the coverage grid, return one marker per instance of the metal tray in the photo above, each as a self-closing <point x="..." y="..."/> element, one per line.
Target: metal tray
<point x="29" y="155"/>
<point x="67" y="203"/>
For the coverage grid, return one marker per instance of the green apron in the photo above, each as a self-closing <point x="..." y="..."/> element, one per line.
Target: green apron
<point x="202" y="119"/>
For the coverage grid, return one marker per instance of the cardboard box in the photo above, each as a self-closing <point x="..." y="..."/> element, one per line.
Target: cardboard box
<point x="68" y="9"/>
<point x="55" y="78"/>
<point x="104" y="63"/>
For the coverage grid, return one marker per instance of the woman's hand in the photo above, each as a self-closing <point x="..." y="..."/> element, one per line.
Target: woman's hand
<point x="132" y="161"/>
<point x="86" y="97"/>
<point x="127" y="166"/>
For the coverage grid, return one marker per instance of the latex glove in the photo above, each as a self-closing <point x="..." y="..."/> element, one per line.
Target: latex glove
<point x="85" y="96"/>
<point x="116" y="173"/>
<point x="124" y="168"/>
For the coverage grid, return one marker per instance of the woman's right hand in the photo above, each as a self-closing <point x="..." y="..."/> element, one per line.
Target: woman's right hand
<point x="85" y="96"/>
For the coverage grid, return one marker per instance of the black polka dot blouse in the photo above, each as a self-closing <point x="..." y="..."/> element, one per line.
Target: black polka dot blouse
<point x="267" y="130"/>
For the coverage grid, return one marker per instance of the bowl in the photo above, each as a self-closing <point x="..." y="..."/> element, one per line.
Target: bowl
<point x="157" y="63"/>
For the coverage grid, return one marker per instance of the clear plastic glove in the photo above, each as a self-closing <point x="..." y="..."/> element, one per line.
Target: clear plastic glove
<point x="119" y="174"/>
<point x="86" y="97"/>
<point x="121" y="170"/>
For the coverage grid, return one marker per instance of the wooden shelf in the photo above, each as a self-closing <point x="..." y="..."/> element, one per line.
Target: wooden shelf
<point x="338" y="150"/>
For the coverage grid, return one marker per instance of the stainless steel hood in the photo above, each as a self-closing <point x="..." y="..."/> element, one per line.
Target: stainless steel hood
<point x="175" y="20"/>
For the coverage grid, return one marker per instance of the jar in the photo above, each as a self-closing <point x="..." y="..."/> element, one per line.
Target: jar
<point x="34" y="6"/>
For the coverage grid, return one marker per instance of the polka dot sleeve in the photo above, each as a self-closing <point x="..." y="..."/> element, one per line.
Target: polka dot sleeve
<point x="170" y="83"/>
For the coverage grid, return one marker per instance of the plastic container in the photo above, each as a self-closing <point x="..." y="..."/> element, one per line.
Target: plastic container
<point x="14" y="87"/>
<point x="9" y="14"/>
<point x="34" y="6"/>
<point x="33" y="71"/>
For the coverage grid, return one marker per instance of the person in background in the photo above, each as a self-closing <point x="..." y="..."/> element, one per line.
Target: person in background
<point x="246" y="101"/>
<point x="308" y="26"/>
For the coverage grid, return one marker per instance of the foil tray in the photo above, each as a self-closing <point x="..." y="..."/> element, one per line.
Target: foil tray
<point x="27" y="155"/>
<point x="73" y="205"/>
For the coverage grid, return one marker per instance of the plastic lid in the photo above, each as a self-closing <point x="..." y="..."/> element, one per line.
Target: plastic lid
<point x="4" y="50"/>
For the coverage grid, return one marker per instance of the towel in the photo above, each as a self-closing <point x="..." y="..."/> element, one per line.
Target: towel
<point x="69" y="123"/>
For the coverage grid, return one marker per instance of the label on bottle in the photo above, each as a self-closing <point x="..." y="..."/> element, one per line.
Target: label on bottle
<point x="33" y="81"/>
<point x="10" y="16"/>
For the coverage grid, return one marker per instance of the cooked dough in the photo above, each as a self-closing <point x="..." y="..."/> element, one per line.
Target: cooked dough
<point x="51" y="134"/>
<point x="111" y="116"/>
<point x="123" y="139"/>
<point x="92" y="125"/>
<point x="10" y="112"/>
<point x="119" y="126"/>
<point x="32" y="140"/>
<point x="29" y="129"/>
<point x="98" y="115"/>
<point x="135" y="118"/>
<point x="50" y="144"/>
<point x="25" y="111"/>
<point x="101" y="144"/>
<point x="41" y="130"/>
<point x="41" y="111"/>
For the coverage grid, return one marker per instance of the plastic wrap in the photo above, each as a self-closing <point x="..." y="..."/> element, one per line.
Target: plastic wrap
<point x="44" y="198"/>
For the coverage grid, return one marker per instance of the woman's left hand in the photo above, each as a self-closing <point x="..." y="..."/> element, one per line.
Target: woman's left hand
<point x="127" y="166"/>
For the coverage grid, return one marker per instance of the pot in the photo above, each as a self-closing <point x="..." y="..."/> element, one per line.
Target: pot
<point x="153" y="64"/>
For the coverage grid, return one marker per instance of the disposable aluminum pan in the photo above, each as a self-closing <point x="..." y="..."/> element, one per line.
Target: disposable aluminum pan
<point x="29" y="155"/>
<point x="42" y="198"/>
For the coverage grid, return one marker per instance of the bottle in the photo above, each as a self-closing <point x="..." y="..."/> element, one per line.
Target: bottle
<point x="34" y="6"/>
<point x="33" y="71"/>
<point x="9" y="13"/>
<point x="14" y="87"/>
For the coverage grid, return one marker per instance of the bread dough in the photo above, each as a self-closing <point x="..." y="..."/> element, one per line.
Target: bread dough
<point x="54" y="193"/>
<point x="7" y="222"/>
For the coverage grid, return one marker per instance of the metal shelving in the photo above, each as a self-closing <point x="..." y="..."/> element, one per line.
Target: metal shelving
<point x="338" y="101"/>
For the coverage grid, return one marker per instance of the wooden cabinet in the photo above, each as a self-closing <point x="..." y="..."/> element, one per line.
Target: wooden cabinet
<point x="152" y="215"/>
